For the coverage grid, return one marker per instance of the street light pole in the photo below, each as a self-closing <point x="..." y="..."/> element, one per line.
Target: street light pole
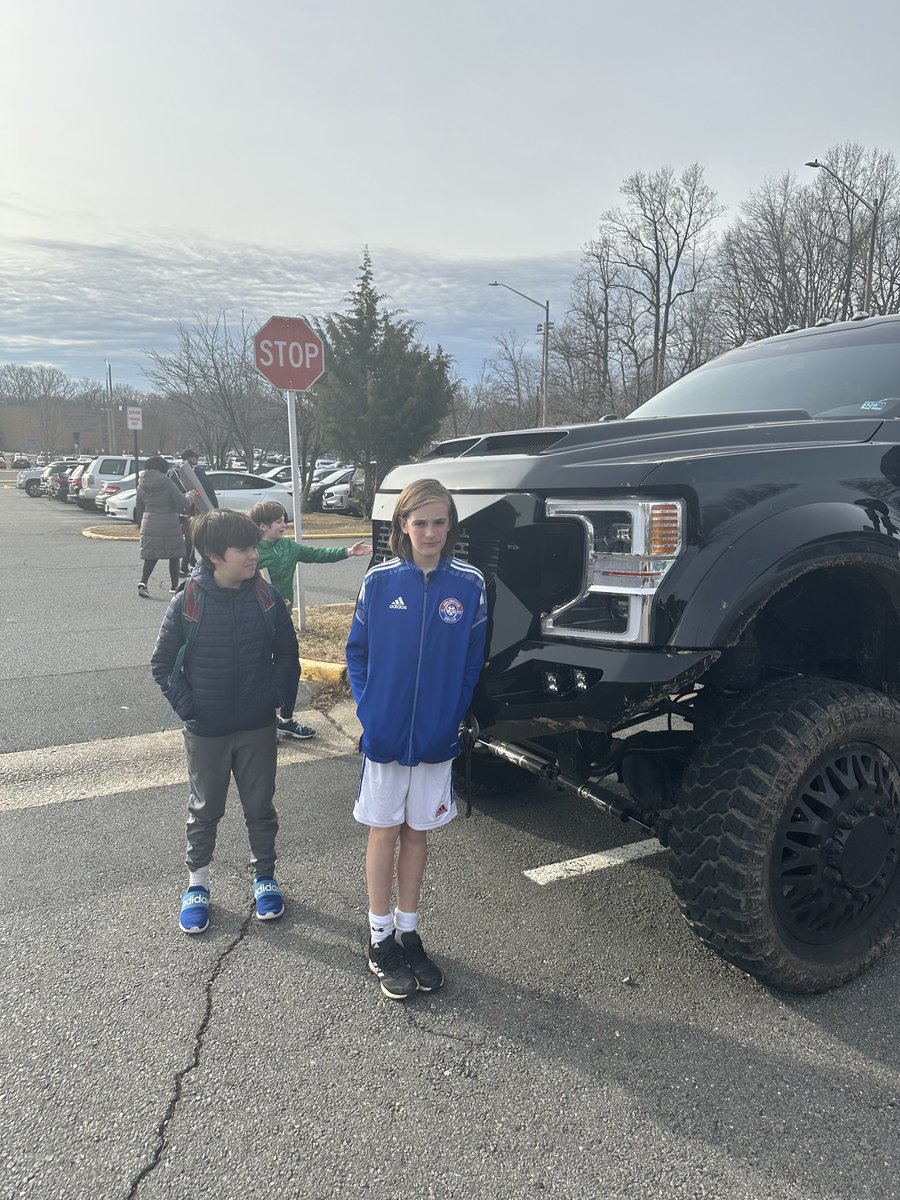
<point x="110" y="420"/>
<point x="873" y="207"/>
<point x="545" y="348"/>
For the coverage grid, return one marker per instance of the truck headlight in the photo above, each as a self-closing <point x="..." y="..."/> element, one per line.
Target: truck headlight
<point x="629" y="547"/>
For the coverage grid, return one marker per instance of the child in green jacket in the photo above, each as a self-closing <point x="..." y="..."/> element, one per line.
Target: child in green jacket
<point x="279" y="556"/>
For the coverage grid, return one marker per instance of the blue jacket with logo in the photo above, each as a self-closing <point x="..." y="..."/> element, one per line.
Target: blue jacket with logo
<point x="415" y="651"/>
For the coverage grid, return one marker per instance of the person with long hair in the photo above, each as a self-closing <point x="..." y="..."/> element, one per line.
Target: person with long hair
<point x="162" y="505"/>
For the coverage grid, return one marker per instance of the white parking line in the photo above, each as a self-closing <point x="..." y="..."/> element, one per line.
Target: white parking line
<point x="113" y="767"/>
<point x="592" y="862"/>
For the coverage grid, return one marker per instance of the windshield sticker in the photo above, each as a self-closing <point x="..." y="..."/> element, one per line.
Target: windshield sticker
<point x="874" y="405"/>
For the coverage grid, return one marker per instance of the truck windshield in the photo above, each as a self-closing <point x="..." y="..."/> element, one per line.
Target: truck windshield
<point x="840" y="373"/>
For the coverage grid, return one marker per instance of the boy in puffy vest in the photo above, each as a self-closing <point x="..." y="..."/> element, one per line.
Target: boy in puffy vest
<point x="279" y="556"/>
<point x="414" y="655"/>
<point x="226" y="657"/>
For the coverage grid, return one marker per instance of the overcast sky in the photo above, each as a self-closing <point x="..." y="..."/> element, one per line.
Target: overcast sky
<point x="175" y="156"/>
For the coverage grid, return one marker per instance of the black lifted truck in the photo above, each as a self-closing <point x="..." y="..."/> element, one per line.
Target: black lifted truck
<point x="727" y="559"/>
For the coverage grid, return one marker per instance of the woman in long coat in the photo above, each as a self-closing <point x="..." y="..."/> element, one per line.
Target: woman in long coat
<point x="163" y="504"/>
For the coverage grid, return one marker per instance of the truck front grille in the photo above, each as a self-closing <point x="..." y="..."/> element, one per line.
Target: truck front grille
<point x="481" y="551"/>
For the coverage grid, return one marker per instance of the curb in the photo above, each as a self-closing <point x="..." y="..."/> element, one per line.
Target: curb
<point x="109" y="535"/>
<point x="323" y="672"/>
<point x="103" y="534"/>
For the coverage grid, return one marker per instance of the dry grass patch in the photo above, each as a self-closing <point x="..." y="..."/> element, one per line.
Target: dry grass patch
<point x="334" y="525"/>
<point x="327" y="627"/>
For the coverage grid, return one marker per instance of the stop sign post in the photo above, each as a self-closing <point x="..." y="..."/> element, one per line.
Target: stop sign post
<point x="290" y="354"/>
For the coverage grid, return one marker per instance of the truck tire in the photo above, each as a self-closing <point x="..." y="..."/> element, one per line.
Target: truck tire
<point x="32" y="487"/>
<point x="489" y="776"/>
<point x="786" y="834"/>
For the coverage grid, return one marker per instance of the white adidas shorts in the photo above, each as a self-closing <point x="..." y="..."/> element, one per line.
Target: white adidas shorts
<point x="390" y="794"/>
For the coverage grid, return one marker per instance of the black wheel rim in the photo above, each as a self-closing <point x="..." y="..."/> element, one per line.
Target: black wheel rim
<point x="836" y="852"/>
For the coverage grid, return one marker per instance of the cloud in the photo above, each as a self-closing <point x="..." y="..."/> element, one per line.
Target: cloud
<point x="76" y="301"/>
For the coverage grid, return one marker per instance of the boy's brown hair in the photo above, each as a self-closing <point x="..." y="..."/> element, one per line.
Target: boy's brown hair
<point x="219" y="530"/>
<point x="413" y="496"/>
<point x="264" y="512"/>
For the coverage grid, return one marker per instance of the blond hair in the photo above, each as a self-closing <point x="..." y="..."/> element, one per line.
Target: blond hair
<point x="413" y="496"/>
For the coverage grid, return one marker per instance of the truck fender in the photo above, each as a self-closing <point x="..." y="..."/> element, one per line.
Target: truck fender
<point x="774" y="553"/>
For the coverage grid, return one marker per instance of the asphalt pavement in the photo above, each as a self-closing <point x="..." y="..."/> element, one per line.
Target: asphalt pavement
<point x="585" y="1044"/>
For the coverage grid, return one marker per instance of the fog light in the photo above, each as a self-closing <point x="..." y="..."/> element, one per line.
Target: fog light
<point x="552" y="683"/>
<point x="580" y="679"/>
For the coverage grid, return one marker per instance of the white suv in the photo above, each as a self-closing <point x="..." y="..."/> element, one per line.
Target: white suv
<point x="101" y="471"/>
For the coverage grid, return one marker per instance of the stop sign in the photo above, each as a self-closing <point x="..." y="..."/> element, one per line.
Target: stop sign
<point x="289" y="353"/>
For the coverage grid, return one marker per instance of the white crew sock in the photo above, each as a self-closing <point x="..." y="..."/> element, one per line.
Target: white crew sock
<point x="380" y="927"/>
<point x="199" y="878"/>
<point x="404" y="922"/>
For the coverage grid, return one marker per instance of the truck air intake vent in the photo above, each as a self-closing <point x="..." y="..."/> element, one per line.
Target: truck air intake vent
<point x="517" y="443"/>
<point x="451" y="449"/>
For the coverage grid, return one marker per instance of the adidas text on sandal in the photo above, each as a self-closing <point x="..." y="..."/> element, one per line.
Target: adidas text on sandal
<point x="194" y="916"/>
<point x="268" y="897"/>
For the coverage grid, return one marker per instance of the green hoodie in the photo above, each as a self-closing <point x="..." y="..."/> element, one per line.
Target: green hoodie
<point x="279" y="559"/>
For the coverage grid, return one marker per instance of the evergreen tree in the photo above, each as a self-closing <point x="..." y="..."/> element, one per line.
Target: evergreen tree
<point x="384" y="393"/>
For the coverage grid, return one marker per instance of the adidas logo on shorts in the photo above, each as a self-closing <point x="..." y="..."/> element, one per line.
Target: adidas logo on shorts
<point x="398" y="604"/>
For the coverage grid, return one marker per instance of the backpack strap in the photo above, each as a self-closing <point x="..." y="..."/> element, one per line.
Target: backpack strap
<point x="191" y="612"/>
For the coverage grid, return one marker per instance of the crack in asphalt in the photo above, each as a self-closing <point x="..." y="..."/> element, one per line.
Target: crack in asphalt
<point x="162" y="1129"/>
<point x="472" y="1041"/>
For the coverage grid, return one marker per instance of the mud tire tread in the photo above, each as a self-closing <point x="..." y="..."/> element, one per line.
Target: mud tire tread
<point x="728" y="809"/>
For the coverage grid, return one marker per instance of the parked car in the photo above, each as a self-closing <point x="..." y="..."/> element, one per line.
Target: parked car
<point x="114" y="487"/>
<point x="236" y="490"/>
<point x="360" y="503"/>
<point x="278" y="474"/>
<point x="317" y="491"/>
<point x="75" y="477"/>
<point x="349" y="497"/>
<point x="102" y="469"/>
<point x="29" y="480"/>
<point x="283" y="474"/>
<point x="20" y="461"/>
<point x="49" y="475"/>
<point x="335" y="499"/>
<point x="2" y="463"/>
<point x="58" y="483"/>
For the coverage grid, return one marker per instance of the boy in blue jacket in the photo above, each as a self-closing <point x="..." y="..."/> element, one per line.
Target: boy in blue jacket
<point x="225" y="658"/>
<point x="415" y="651"/>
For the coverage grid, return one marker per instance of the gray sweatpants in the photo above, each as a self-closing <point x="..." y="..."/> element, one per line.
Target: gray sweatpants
<point x="250" y="756"/>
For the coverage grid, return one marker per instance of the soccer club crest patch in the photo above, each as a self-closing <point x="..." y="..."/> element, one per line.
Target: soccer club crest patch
<point x="450" y="610"/>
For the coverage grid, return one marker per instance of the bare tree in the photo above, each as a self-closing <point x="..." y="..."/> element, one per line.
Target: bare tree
<point x="212" y="379"/>
<point x="799" y="252"/>
<point x="47" y="390"/>
<point x="512" y="386"/>
<point x="661" y="241"/>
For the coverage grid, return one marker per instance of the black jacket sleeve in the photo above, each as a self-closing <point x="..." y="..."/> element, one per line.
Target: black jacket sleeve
<point x="285" y="654"/>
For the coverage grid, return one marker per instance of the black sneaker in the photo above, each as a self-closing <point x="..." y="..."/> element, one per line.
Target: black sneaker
<point x="387" y="962"/>
<point x="428" y="976"/>
<point x="293" y="729"/>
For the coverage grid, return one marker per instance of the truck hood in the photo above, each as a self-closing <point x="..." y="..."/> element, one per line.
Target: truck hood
<point x="609" y="455"/>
